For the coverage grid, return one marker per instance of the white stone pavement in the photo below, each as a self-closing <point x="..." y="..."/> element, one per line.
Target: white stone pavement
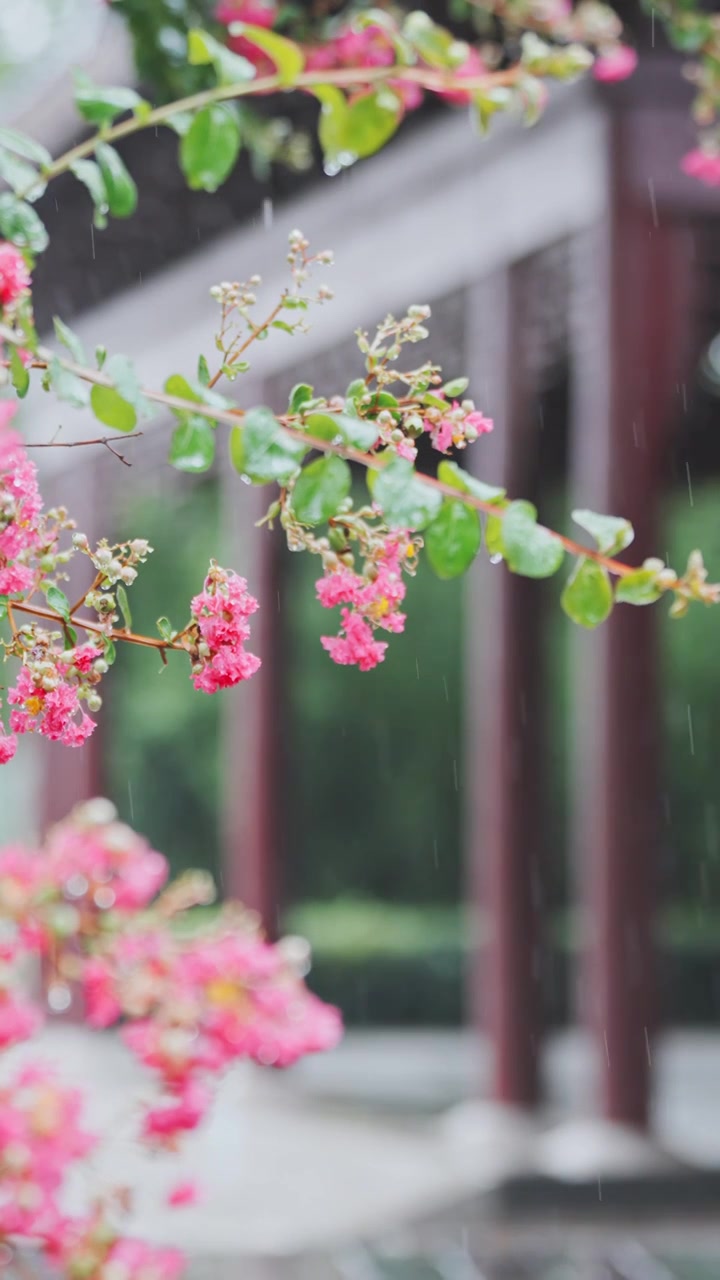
<point x="352" y="1143"/>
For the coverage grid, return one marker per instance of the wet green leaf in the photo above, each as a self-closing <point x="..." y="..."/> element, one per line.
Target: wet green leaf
<point x="320" y="488"/>
<point x="210" y="147"/>
<point x="407" y="502"/>
<point x="529" y="549"/>
<point x="119" y="186"/>
<point x="588" y="596"/>
<point x="453" y="539"/>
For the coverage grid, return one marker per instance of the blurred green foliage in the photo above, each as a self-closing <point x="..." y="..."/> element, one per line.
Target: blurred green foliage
<point x="163" y="768"/>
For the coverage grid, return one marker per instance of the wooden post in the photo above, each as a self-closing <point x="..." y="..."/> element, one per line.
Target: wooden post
<point x="252" y="783"/>
<point x="502" y="662"/>
<point x="630" y="307"/>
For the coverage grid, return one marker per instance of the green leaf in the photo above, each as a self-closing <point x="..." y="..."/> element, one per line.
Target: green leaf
<point x="299" y="396"/>
<point x="332" y="125"/>
<point x="638" y="587"/>
<point x="121" y="597"/>
<point x="407" y="502"/>
<point x="488" y="102"/>
<point x="24" y="146"/>
<point x="210" y="147"/>
<point x="21" y="177"/>
<point x="456" y="387"/>
<point x="349" y="131"/>
<point x="588" y="597"/>
<point x="110" y="408"/>
<point x="287" y="57"/>
<point x="203" y="372"/>
<point x="612" y="533"/>
<point x="19" y="374"/>
<point x="67" y="386"/>
<point x="453" y="539"/>
<point x="165" y="628"/>
<point x="529" y="549"/>
<point x="451" y="474"/>
<point x="177" y="385"/>
<point x="100" y="356"/>
<point x="125" y="380"/>
<point x="435" y="45"/>
<point x="56" y="599"/>
<point x="320" y="488"/>
<point x="20" y="224"/>
<point x="372" y="120"/>
<point x="87" y="172"/>
<point x="120" y="188"/>
<point x="101" y="105"/>
<point x="192" y="447"/>
<point x="357" y="432"/>
<point x="109" y="647"/>
<point x="262" y="450"/>
<point x="230" y="68"/>
<point x="69" y="339"/>
<point x="493" y="537"/>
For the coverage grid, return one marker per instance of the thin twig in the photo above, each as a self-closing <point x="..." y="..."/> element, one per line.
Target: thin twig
<point x="148" y="642"/>
<point x="80" y="444"/>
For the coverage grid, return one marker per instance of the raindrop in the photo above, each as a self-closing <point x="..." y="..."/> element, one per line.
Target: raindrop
<point x="689" y="481"/>
<point x="496" y="558"/>
<point x="92" y="239"/>
<point x="104" y="898"/>
<point x="268" y="212"/>
<point x="331" y="169"/>
<point x="59" y="997"/>
<point x="690" y="730"/>
<point x="76" y="886"/>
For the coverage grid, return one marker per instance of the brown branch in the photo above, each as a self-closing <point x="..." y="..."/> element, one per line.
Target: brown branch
<point x="148" y="642"/>
<point x="229" y="417"/>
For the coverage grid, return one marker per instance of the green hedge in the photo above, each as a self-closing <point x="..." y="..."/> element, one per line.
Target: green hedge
<point x="405" y="966"/>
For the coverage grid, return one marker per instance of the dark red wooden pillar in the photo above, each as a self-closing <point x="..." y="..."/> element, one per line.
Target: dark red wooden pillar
<point x="251" y="783"/>
<point x="503" y="750"/>
<point x="629" y="329"/>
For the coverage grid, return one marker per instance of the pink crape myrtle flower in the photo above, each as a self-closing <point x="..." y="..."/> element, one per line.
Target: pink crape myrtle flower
<point x="52" y="712"/>
<point x="457" y="429"/>
<point x="183" y="1194"/>
<point x="371" y="601"/>
<point x="18" y="1019"/>
<point x="8" y="746"/>
<point x="702" y="164"/>
<point x="14" y="275"/>
<point x="257" y="13"/>
<point x="617" y="64"/>
<point x="470" y="69"/>
<point x="221" y="614"/>
<point x="91" y="854"/>
<point x="135" y="1260"/>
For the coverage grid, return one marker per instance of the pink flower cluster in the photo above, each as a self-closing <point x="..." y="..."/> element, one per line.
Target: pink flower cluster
<point x="199" y="1005"/>
<point x="20" y="507"/>
<point x="703" y="164"/>
<point x="46" y="695"/>
<point x="40" y="1137"/>
<point x="369" y="46"/>
<point x="192" y="1004"/>
<point x="14" y="275"/>
<point x="220" y="615"/>
<point x="617" y="64"/>
<point x="457" y="428"/>
<point x="371" y="600"/>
